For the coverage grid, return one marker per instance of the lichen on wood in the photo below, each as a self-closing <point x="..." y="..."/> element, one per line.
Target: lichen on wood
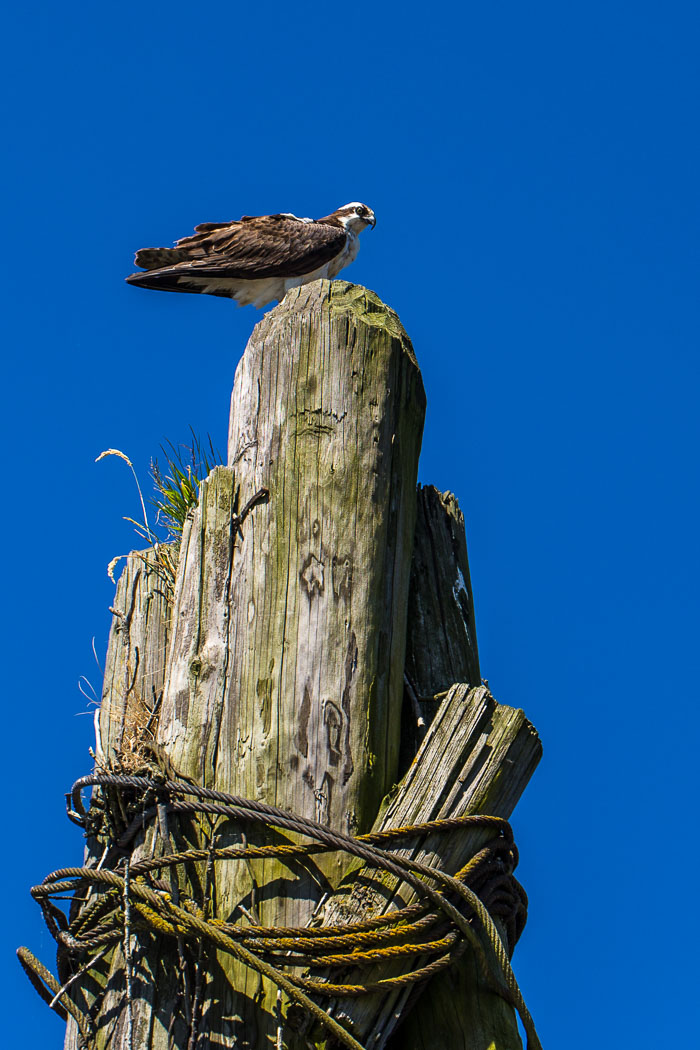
<point x="477" y="757"/>
<point x="285" y="674"/>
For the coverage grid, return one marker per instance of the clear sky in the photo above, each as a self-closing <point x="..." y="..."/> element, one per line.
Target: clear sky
<point x="534" y="171"/>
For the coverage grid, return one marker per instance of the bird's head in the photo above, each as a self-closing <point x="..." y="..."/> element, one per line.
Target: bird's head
<point x="356" y="216"/>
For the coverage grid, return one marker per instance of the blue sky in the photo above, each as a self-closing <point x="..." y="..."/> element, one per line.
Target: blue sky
<point x="534" y="171"/>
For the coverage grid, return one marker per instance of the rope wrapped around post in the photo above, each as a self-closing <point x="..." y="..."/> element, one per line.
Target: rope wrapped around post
<point x="122" y="895"/>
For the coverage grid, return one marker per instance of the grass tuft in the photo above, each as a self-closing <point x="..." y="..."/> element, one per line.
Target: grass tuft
<point x="176" y="479"/>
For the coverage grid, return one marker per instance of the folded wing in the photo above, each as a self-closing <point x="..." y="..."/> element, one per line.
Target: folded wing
<point x="252" y="248"/>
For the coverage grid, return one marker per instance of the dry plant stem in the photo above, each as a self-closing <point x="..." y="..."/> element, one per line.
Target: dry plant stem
<point x="121" y="455"/>
<point x="78" y="973"/>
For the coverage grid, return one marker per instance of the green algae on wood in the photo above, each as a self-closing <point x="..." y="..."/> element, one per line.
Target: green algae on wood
<point x="282" y="661"/>
<point x="297" y="624"/>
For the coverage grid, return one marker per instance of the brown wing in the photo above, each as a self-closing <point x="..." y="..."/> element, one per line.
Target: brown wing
<point x="251" y="248"/>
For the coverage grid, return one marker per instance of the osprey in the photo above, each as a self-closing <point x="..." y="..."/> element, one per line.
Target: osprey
<point x="257" y="258"/>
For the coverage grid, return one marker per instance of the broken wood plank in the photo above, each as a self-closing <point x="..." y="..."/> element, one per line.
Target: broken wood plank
<point x="441" y="643"/>
<point x="477" y="757"/>
<point x="441" y="636"/>
<point x="136" y="660"/>
<point x="125" y="727"/>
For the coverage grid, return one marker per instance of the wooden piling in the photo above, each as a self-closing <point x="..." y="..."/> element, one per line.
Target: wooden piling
<point x="278" y="670"/>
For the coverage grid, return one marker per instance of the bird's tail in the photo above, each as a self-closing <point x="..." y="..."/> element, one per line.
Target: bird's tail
<point x="154" y="258"/>
<point x="164" y="279"/>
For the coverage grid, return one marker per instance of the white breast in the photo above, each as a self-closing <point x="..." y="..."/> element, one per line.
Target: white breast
<point x="348" y="254"/>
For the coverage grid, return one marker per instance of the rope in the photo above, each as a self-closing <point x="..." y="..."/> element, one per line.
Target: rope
<point x="121" y="894"/>
<point x="127" y="956"/>
<point x="42" y="980"/>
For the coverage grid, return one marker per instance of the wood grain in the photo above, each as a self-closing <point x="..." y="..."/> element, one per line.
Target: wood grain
<point x="477" y="757"/>
<point x="136" y="656"/>
<point x="441" y="643"/>
<point x="281" y="666"/>
<point x="285" y="675"/>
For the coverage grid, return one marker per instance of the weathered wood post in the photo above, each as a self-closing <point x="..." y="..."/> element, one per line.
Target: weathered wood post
<point x="285" y="676"/>
<point x="276" y="673"/>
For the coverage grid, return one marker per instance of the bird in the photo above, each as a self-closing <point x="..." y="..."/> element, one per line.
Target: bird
<point x="256" y="259"/>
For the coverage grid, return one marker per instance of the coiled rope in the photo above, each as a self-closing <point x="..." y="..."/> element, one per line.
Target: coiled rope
<point x="121" y="894"/>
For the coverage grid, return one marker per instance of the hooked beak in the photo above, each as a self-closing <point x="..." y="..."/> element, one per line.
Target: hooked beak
<point x="373" y="221"/>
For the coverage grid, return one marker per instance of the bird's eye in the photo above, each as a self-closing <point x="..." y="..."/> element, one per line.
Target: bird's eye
<point x="362" y="211"/>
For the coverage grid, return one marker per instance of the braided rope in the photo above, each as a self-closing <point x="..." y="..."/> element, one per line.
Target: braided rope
<point x="437" y="927"/>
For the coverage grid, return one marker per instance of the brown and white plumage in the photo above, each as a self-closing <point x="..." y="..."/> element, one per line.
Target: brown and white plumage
<point x="257" y="258"/>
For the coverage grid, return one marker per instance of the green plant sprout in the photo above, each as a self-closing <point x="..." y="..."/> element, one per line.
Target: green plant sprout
<point x="176" y="478"/>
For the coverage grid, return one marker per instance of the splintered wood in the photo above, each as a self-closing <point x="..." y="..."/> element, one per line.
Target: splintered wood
<point x="135" y="665"/>
<point x="276" y="672"/>
<point x="477" y="757"/>
<point x="441" y="644"/>
<point x="285" y="670"/>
